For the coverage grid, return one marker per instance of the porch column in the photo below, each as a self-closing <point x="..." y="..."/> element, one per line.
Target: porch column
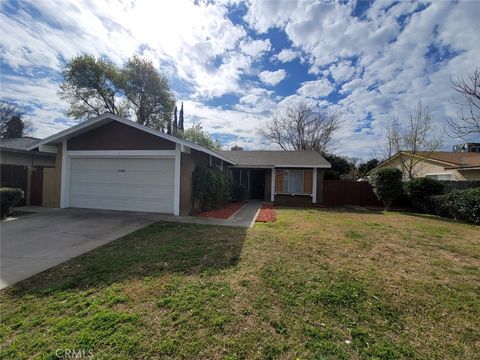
<point x="272" y="187"/>
<point x="314" y="187"/>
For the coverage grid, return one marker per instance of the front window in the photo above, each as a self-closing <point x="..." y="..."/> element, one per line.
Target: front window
<point x="293" y="181"/>
<point x="439" y="176"/>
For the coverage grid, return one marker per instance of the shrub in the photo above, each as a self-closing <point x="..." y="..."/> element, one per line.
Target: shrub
<point x="420" y="190"/>
<point x="211" y="189"/>
<point x="239" y="193"/>
<point x="464" y="205"/>
<point x="387" y="185"/>
<point x="9" y="197"/>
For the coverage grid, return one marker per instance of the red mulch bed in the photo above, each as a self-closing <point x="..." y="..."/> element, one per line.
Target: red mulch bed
<point x="223" y="213"/>
<point x="266" y="214"/>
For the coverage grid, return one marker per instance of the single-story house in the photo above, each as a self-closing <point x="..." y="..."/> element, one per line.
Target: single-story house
<point x="440" y="165"/>
<point x="113" y="163"/>
<point x="23" y="168"/>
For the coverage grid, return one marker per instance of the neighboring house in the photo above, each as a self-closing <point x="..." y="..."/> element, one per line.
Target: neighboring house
<point x="112" y="163"/>
<point x="15" y="152"/>
<point x="440" y="165"/>
<point x="23" y="168"/>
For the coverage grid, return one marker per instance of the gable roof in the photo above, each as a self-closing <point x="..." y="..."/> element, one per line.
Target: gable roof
<point x="23" y="143"/>
<point x="103" y="119"/>
<point x="277" y="158"/>
<point x="454" y="158"/>
<point x="448" y="159"/>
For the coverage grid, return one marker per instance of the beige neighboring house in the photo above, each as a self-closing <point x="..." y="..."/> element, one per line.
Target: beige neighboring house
<point x="440" y="165"/>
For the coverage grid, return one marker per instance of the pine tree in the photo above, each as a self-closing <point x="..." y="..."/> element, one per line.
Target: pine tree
<point x="180" y="119"/>
<point x="175" y="125"/>
<point x="14" y="128"/>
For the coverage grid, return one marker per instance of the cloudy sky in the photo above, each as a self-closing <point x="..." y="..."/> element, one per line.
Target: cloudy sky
<point x="233" y="63"/>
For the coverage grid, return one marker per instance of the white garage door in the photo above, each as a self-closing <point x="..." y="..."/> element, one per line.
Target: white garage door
<point x="122" y="184"/>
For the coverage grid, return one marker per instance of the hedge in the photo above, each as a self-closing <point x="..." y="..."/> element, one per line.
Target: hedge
<point x="420" y="190"/>
<point x="9" y="197"/>
<point x="462" y="205"/>
<point x="211" y="189"/>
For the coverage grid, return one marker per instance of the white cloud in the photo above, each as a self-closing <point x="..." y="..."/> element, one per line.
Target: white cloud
<point x="272" y="77"/>
<point x="255" y="48"/>
<point x="316" y="88"/>
<point x="286" y="55"/>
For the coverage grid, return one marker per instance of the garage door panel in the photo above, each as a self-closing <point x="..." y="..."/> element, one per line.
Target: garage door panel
<point x="115" y="177"/>
<point x="99" y="189"/>
<point x="122" y="184"/>
<point x="160" y="165"/>
<point x="105" y="203"/>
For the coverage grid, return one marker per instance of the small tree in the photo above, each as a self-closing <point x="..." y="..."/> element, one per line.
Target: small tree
<point x="415" y="140"/>
<point x="197" y="135"/>
<point x="387" y="185"/>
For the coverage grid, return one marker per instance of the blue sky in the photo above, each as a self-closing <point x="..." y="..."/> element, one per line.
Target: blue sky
<point x="234" y="63"/>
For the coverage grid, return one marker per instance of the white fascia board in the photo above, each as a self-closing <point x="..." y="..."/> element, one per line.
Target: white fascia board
<point x="47" y="148"/>
<point x="99" y="119"/>
<point x="122" y="153"/>
<point x="305" y="166"/>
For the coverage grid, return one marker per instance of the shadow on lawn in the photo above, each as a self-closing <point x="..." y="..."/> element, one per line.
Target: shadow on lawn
<point x="152" y="251"/>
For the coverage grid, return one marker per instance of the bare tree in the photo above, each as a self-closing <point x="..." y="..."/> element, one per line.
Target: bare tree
<point x="12" y="124"/>
<point x="302" y="127"/>
<point x="468" y="122"/>
<point x="415" y="140"/>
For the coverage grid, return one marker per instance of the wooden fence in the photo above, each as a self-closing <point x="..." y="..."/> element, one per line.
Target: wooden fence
<point x="347" y="192"/>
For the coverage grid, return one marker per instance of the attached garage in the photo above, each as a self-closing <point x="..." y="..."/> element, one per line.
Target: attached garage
<point x="112" y="163"/>
<point x="134" y="184"/>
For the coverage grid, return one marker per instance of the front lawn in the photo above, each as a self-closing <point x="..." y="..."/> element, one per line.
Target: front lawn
<point x="315" y="284"/>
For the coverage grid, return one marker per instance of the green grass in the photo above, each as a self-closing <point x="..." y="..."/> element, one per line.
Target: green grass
<point x="317" y="284"/>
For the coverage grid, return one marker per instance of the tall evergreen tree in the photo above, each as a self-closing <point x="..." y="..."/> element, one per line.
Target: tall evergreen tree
<point x="180" y="118"/>
<point x="14" y="128"/>
<point x="175" y="124"/>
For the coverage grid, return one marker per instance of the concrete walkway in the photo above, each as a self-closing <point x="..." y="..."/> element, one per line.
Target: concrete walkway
<point x="244" y="217"/>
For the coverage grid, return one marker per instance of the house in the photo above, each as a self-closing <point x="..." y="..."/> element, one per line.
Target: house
<point x="283" y="177"/>
<point x="23" y="169"/>
<point x="440" y="165"/>
<point x="113" y="163"/>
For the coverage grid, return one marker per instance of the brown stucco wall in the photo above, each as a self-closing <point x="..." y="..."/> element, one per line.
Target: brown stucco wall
<point x="118" y="136"/>
<point x="188" y="164"/>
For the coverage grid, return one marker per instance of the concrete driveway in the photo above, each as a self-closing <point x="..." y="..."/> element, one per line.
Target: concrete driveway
<point x="37" y="242"/>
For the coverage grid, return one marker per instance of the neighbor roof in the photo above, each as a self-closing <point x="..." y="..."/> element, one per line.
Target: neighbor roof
<point x="280" y="158"/>
<point x="459" y="159"/>
<point x="23" y="143"/>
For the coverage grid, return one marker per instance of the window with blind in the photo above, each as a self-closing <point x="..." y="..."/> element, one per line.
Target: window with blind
<point x="293" y="181"/>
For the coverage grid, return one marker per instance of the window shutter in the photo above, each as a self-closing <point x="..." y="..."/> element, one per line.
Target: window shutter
<point x="279" y="181"/>
<point x="308" y="181"/>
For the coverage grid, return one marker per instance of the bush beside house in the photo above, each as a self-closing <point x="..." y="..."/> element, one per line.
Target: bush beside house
<point x="420" y="190"/>
<point x="211" y="189"/>
<point x="9" y="198"/>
